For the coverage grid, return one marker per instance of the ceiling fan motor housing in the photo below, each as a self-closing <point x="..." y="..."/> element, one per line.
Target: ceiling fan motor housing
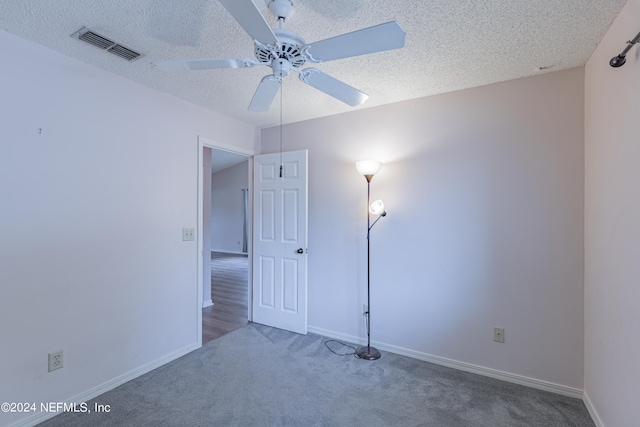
<point x="290" y="48"/>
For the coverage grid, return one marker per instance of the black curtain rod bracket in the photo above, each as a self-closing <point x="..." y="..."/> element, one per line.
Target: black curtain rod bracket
<point x="618" y="61"/>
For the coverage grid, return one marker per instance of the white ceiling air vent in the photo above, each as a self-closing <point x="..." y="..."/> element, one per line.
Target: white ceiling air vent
<point x="104" y="43"/>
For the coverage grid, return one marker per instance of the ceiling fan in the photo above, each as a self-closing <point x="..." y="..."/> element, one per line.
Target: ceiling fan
<point x="285" y="52"/>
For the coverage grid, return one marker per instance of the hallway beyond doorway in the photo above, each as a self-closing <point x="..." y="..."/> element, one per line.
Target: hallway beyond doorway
<point x="229" y="292"/>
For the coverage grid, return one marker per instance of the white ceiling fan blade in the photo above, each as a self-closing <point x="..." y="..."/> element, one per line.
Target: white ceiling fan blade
<point x="368" y="40"/>
<point x="333" y="87"/>
<point x="251" y="20"/>
<point x="204" y="64"/>
<point x="266" y="92"/>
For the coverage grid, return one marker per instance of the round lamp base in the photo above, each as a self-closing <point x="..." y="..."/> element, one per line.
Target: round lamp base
<point x="368" y="353"/>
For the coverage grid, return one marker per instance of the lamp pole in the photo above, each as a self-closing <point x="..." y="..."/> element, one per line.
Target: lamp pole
<point x="368" y="352"/>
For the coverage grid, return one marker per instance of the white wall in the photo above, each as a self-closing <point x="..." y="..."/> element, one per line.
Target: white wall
<point x="484" y="193"/>
<point x="227" y="208"/>
<point x="91" y="254"/>
<point x="612" y="227"/>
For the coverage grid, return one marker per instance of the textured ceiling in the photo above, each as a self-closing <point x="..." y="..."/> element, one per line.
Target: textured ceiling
<point x="450" y="45"/>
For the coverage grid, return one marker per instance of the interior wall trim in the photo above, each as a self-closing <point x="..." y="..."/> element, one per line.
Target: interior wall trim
<point x="225" y="251"/>
<point x="110" y="384"/>
<point x="592" y="410"/>
<point x="455" y="364"/>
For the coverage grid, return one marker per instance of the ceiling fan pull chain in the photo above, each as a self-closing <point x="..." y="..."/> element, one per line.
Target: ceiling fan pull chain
<point x="281" y="92"/>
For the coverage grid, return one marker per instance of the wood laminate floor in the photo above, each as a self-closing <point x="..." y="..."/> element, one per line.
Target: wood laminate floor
<point x="229" y="292"/>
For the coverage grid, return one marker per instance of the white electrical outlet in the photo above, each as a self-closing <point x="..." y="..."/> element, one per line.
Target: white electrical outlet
<point x="498" y="334"/>
<point x="56" y="360"/>
<point x="188" y="234"/>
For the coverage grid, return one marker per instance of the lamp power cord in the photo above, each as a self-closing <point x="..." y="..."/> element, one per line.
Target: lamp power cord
<point x="336" y="352"/>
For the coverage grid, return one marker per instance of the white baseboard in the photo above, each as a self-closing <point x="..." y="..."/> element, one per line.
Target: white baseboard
<point x="109" y="385"/>
<point x="592" y="410"/>
<point x="462" y="366"/>
<point x="207" y="303"/>
<point x="222" y="251"/>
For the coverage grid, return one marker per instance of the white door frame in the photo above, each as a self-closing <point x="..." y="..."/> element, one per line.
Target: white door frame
<point x="202" y="143"/>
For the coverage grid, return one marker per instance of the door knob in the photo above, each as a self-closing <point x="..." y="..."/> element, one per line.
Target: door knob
<point x="300" y="251"/>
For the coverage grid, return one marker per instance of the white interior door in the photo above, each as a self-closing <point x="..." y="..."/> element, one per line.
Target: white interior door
<point x="280" y="240"/>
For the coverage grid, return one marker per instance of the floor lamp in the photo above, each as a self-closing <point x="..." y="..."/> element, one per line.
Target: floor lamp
<point x="369" y="168"/>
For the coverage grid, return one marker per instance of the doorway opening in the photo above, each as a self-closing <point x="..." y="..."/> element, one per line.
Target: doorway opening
<point x="229" y="278"/>
<point x="224" y="240"/>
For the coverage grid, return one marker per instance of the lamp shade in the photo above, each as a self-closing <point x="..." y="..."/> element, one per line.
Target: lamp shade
<point x="368" y="167"/>
<point x="377" y="207"/>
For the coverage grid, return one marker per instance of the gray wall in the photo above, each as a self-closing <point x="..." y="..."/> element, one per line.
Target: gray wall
<point x="612" y="239"/>
<point x="484" y="193"/>
<point x="227" y="208"/>
<point x="91" y="253"/>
